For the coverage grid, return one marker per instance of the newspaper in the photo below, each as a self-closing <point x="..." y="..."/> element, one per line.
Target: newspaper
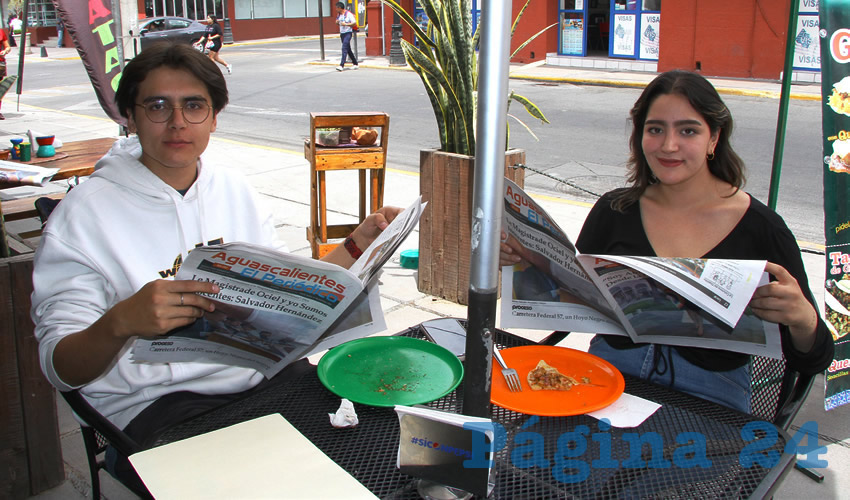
<point x="677" y="301"/>
<point x="24" y="174"/>
<point x="275" y="308"/>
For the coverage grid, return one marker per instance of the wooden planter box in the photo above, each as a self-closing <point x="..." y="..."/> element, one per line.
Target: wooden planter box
<point x="30" y="450"/>
<point x="446" y="182"/>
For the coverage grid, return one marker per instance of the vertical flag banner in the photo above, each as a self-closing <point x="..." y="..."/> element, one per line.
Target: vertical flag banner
<point x="92" y="27"/>
<point x="835" y="91"/>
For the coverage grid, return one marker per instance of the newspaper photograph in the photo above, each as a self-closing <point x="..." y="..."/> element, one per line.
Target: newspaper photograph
<point x="652" y="312"/>
<point x="678" y="301"/>
<point x="714" y="283"/>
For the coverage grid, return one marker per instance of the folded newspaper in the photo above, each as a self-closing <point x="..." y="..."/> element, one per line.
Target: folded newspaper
<point x="274" y="307"/>
<point x="24" y="174"/>
<point x="677" y="301"/>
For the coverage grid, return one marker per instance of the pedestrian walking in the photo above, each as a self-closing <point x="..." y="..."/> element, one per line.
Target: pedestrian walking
<point x="60" y="28"/>
<point x="214" y="34"/>
<point x="347" y="23"/>
<point x="4" y="49"/>
<point x="11" y="36"/>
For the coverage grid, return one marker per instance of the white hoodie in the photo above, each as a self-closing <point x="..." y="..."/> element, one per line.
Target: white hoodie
<point x="114" y="233"/>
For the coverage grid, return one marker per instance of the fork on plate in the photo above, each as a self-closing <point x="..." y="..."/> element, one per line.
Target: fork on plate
<point x="511" y="376"/>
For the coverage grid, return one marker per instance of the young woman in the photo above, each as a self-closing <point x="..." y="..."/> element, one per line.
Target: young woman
<point x="214" y="34"/>
<point x="685" y="200"/>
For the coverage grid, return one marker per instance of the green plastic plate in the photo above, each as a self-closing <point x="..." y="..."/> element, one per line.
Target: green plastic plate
<point x="388" y="371"/>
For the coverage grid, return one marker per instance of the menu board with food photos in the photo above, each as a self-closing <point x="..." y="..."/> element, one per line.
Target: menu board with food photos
<point x="835" y="85"/>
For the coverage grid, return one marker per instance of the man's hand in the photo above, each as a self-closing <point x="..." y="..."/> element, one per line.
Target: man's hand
<point x="161" y="306"/>
<point x="374" y="225"/>
<point x="363" y="235"/>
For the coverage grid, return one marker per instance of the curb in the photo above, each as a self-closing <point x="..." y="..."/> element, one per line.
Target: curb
<point x="600" y="82"/>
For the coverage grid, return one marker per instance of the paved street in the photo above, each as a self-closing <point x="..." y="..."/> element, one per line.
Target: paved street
<point x="580" y="154"/>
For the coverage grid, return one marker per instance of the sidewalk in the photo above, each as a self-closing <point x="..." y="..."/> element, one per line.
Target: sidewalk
<point x="282" y="179"/>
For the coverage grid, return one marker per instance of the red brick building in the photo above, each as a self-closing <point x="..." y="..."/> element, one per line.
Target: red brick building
<point x="734" y="38"/>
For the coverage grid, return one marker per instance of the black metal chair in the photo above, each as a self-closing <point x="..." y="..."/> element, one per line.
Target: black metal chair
<point x="778" y="395"/>
<point x="98" y="433"/>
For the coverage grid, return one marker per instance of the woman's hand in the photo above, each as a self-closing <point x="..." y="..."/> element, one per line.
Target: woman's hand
<point x="782" y="301"/>
<point x="509" y="250"/>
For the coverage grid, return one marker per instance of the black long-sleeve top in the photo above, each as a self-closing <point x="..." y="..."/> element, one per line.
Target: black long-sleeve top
<point x="760" y="235"/>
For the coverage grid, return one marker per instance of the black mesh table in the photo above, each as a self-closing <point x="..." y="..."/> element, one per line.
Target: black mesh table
<point x="606" y="465"/>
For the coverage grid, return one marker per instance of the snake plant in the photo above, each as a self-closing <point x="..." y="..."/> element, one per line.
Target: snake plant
<point x="447" y="62"/>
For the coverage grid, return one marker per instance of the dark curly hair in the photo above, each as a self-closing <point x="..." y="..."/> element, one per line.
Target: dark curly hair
<point x="175" y="56"/>
<point x="726" y="164"/>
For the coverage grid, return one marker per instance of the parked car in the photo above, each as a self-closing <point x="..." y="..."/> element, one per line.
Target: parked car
<point x="176" y="29"/>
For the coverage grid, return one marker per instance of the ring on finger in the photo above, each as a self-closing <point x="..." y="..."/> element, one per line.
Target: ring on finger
<point x="181" y="299"/>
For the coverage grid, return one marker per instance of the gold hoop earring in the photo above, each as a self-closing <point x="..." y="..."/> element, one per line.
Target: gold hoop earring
<point x="709" y="156"/>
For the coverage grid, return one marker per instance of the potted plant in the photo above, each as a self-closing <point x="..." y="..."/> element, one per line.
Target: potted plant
<point x="447" y="62"/>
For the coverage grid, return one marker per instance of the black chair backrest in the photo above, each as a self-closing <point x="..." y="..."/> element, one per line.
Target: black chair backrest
<point x="115" y="436"/>
<point x="778" y="391"/>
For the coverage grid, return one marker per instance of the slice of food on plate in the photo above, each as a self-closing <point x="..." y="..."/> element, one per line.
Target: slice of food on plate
<point x="547" y="378"/>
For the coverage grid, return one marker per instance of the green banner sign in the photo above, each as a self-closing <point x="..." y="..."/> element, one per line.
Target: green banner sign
<point x="835" y="85"/>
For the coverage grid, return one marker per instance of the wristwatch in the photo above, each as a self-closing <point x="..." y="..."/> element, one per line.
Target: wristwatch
<point x="352" y="248"/>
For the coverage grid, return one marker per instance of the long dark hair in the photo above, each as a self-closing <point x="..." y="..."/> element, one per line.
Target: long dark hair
<point x="175" y="56"/>
<point x="726" y="164"/>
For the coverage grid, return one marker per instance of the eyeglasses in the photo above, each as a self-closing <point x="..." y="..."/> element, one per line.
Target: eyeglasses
<point x="160" y="111"/>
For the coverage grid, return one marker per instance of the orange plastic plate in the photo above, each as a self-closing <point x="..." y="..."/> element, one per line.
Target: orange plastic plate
<point x="607" y="382"/>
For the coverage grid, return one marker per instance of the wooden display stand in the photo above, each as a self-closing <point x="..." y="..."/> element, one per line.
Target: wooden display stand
<point x="326" y="158"/>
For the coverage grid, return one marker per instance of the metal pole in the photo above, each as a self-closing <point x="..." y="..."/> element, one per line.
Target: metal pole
<point x="321" y="31"/>
<point x="22" y="48"/>
<point x="782" y="119"/>
<point x="396" y="54"/>
<point x="487" y="204"/>
<point x="383" y="33"/>
<point x="118" y="28"/>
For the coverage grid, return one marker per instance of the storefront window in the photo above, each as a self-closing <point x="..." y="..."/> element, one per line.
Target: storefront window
<point x="41" y="13"/>
<point x="193" y="9"/>
<point x="572" y="34"/>
<point x="652" y="5"/>
<point x="327" y="9"/>
<point x="264" y="9"/>
<point x="242" y="9"/>
<point x="625" y="4"/>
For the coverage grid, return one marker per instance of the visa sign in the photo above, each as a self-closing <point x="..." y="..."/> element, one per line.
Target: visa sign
<point x="839" y="46"/>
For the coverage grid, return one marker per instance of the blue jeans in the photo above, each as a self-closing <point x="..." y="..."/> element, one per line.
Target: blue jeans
<point x="61" y="38"/>
<point x="729" y="388"/>
<point x="346" y="48"/>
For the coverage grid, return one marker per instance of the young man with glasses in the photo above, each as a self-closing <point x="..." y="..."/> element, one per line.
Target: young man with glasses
<point x="108" y="252"/>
